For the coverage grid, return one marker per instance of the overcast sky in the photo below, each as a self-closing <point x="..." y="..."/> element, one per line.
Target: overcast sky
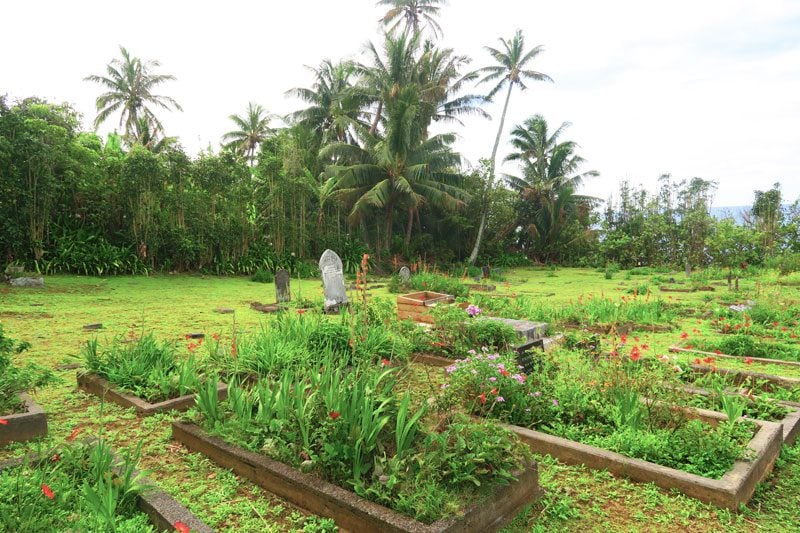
<point x="705" y="88"/>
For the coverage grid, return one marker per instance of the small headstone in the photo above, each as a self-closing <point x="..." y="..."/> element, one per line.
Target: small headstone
<point x="528" y="356"/>
<point x="27" y="282"/>
<point x="195" y="335"/>
<point x="224" y="310"/>
<point x="330" y="265"/>
<point x="486" y="272"/>
<point x="688" y="269"/>
<point x="93" y="327"/>
<point x="526" y="329"/>
<point x="282" y="292"/>
<point x="404" y="274"/>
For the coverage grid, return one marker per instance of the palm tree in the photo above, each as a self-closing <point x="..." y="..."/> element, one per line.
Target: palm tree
<point x="149" y="137"/>
<point x="412" y="13"/>
<point x="335" y="106"/>
<point x="398" y="171"/>
<point x="510" y="70"/>
<point x="550" y="211"/>
<point x="253" y="129"/>
<point x="130" y="83"/>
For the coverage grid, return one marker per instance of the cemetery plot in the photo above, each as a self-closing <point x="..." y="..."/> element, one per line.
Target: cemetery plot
<point x="29" y="423"/>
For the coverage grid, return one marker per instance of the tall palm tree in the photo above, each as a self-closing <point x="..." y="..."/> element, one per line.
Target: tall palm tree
<point x="549" y="206"/>
<point x="253" y="129"/>
<point x="130" y="83"/>
<point x="399" y="171"/>
<point x="335" y="106"/>
<point x="510" y="69"/>
<point x="412" y="13"/>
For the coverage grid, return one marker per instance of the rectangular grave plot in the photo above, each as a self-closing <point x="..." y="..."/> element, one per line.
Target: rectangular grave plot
<point x="734" y="488"/>
<point x="351" y="512"/>
<point x="162" y="509"/>
<point x="94" y="384"/>
<point x="25" y="426"/>
<point x="417" y="305"/>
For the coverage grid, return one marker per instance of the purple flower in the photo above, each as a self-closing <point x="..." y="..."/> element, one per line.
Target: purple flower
<point x="492" y="379"/>
<point x="450" y="369"/>
<point x="473" y="311"/>
<point x="500" y="399"/>
<point x="537" y="394"/>
<point x="472" y="352"/>
<point x="445" y="385"/>
<point x="555" y="403"/>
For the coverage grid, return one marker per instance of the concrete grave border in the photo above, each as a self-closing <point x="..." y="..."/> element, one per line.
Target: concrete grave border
<point x="164" y="510"/>
<point x="351" y="512"/>
<point x="734" y="488"/>
<point x="782" y="362"/>
<point x="94" y="384"/>
<point x="24" y="426"/>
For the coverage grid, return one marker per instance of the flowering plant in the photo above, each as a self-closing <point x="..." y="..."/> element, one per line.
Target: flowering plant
<point x="473" y="311"/>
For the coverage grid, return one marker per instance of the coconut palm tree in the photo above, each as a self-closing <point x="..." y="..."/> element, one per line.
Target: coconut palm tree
<point x="412" y="13"/>
<point x="335" y="106"/>
<point x="401" y="171"/>
<point x="510" y="69"/>
<point x="550" y="211"/>
<point x="130" y="83"/>
<point x="253" y="129"/>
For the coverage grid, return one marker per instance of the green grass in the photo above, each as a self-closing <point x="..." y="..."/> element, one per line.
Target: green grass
<point x="171" y="306"/>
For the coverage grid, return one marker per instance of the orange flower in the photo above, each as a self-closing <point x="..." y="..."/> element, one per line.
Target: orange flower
<point x="3" y="422"/>
<point x="180" y="527"/>
<point x="635" y="353"/>
<point x="748" y="360"/>
<point x="482" y="398"/>
<point x="215" y="336"/>
<point x="47" y="491"/>
<point x="505" y="372"/>
<point x="301" y="311"/>
<point x="385" y="362"/>
<point x="74" y="434"/>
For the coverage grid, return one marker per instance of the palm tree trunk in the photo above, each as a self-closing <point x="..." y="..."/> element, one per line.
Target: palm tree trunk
<point x="409" y="225"/>
<point x="374" y="126"/>
<point x="474" y="255"/>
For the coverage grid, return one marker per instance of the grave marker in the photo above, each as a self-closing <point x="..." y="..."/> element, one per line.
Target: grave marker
<point x="330" y="265"/>
<point x="283" y="293"/>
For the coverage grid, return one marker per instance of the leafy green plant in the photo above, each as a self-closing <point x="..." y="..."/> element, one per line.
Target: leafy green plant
<point x="262" y="276"/>
<point x="15" y="379"/>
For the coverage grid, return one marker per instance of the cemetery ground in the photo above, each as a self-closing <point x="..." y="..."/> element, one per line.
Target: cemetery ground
<point x="51" y="319"/>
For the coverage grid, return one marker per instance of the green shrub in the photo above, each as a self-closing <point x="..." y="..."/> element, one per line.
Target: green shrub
<point x="263" y="275"/>
<point x="16" y="379"/>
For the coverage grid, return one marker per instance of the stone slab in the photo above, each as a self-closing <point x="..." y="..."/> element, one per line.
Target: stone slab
<point x="525" y="328"/>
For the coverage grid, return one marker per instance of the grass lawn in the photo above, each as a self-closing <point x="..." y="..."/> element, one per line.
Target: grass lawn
<point x="51" y="319"/>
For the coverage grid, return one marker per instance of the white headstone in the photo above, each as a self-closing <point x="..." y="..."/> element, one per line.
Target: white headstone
<point x="330" y="265"/>
<point x="282" y="292"/>
<point x="405" y="274"/>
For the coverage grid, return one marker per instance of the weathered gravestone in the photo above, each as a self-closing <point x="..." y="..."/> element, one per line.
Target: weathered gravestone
<point x="404" y="274"/>
<point x="486" y="272"/>
<point x="330" y="265"/>
<point x="282" y="292"/>
<point x="26" y="282"/>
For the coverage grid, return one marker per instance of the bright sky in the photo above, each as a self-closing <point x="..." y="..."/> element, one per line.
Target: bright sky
<point x="705" y="88"/>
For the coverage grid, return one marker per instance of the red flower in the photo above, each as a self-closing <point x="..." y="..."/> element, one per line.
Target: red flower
<point x="505" y="372"/>
<point x="688" y="346"/>
<point x="748" y="360"/>
<point x="180" y="527"/>
<point x="301" y="311"/>
<point x="684" y="335"/>
<point x="192" y="347"/>
<point x="697" y="361"/>
<point x="783" y="328"/>
<point x="635" y="354"/>
<point x="645" y="347"/>
<point x="482" y="398"/>
<point x="233" y="348"/>
<point x="74" y="434"/>
<point x="494" y="391"/>
<point x="737" y="326"/>
<point x="636" y="339"/>
<point x="215" y="336"/>
<point x="335" y="414"/>
<point x="384" y="362"/>
<point x="187" y="336"/>
<point x="747" y="325"/>
<point x="623" y="338"/>
<point x="708" y="360"/>
<point x="47" y="491"/>
<point x="794" y="336"/>
<point x="3" y="422"/>
<point x="56" y="458"/>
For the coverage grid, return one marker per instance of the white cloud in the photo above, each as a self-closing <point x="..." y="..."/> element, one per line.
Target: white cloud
<point x="707" y="89"/>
